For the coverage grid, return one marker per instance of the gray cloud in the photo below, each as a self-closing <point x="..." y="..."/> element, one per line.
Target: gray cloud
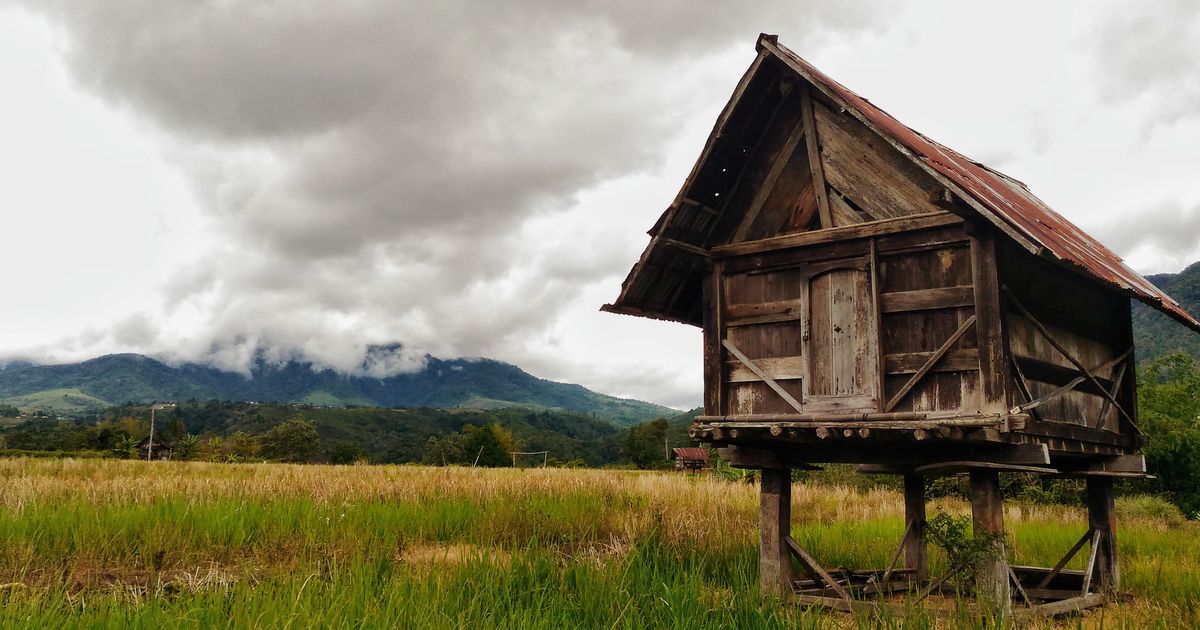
<point x="370" y="165"/>
<point x="1148" y="49"/>
<point x="1170" y="227"/>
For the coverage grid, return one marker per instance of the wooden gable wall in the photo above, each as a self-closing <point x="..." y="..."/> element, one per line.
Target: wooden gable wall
<point x="859" y="176"/>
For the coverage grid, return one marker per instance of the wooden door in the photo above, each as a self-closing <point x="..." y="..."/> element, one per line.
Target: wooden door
<point x="839" y="337"/>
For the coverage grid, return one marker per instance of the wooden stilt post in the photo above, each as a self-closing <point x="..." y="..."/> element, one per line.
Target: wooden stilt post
<point x="1102" y="518"/>
<point x="775" y="524"/>
<point x="916" y="555"/>
<point x="992" y="589"/>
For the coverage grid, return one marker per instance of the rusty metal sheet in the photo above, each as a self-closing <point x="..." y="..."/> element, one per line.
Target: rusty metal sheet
<point x="1009" y="202"/>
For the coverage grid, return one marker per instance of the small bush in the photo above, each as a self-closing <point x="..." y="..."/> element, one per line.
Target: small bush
<point x="1151" y="508"/>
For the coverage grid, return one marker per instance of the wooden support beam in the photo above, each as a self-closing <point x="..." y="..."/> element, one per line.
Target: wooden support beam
<point x="926" y="299"/>
<point x="992" y="588"/>
<point x="990" y="326"/>
<point x="714" y="326"/>
<point x="686" y="247"/>
<point x="916" y="551"/>
<point x="1102" y="519"/>
<point x="814" y="159"/>
<point x="924" y="369"/>
<point x="845" y="233"/>
<point x="775" y="524"/>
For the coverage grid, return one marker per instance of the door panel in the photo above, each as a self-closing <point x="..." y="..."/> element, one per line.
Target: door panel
<point x="839" y="333"/>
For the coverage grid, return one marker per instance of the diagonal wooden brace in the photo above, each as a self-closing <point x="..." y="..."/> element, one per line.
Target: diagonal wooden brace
<point x="929" y="363"/>
<point x="760" y="374"/>
<point x="818" y="573"/>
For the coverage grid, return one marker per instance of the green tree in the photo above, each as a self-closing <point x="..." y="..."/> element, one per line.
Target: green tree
<point x="644" y="446"/>
<point x="489" y="445"/>
<point x="345" y="452"/>
<point x="1169" y="412"/>
<point x="293" y="440"/>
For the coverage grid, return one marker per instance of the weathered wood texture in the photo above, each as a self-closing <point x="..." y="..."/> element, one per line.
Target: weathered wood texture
<point x="1089" y="322"/>
<point x="775" y="523"/>
<point x="927" y="295"/>
<point x="916" y="554"/>
<point x="992" y="586"/>
<point x="1103" y="520"/>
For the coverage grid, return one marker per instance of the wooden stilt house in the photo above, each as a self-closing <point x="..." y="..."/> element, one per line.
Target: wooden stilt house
<point x="870" y="296"/>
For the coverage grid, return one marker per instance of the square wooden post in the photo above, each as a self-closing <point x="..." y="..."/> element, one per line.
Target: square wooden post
<point x="775" y="524"/>
<point x="1102" y="518"/>
<point x="916" y="556"/>
<point x="992" y="588"/>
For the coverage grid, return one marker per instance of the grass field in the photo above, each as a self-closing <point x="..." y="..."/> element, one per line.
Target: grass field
<point x="102" y="543"/>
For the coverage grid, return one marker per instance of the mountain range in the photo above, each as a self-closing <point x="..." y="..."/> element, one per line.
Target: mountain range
<point x="472" y="383"/>
<point x="1155" y="334"/>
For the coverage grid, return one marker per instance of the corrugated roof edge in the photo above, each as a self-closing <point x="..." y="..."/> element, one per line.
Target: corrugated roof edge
<point x="1003" y="200"/>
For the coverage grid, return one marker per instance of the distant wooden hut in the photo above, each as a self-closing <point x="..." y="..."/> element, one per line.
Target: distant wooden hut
<point x="162" y="451"/>
<point x="690" y="458"/>
<point x="871" y="296"/>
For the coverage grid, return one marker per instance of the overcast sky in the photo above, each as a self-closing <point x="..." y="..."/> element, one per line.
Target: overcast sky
<point x="203" y="180"/>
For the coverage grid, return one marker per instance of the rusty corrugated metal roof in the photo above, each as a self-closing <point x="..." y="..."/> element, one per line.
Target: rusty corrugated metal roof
<point x="690" y="453"/>
<point x="1001" y="199"/>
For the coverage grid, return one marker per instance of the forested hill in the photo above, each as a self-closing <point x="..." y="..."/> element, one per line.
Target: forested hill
<point x="474" y="383"/>
<point x="1155" y="334"/>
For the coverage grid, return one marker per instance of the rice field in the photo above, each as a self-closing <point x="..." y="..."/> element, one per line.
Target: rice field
<point x="104" y="543"/>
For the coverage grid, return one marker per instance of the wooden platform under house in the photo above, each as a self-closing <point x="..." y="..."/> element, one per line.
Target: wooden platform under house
<point x="870" y="296"/>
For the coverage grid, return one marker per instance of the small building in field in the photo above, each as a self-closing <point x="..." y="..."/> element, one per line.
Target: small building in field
<point x="162" y="451"/>
<point x="870" y="296"/>
<point x="691" y="458"/>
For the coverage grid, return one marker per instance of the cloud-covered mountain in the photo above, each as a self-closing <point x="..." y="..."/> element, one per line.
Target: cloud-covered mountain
<point x="484" y="383"/>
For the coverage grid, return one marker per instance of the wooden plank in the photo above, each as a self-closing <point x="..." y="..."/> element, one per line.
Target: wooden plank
<point x="790" y="309"/>
<point x="942" y="469"/>
<point x="926" y="299"/>
<point x="688" y="248"/>
<point x="1041" y="371"/>
<point x="832" y="235"/>
<point x="1074" y="604"/>
<point x="953" y="361"/>
<point x="814" y="159"/>
<point x="775" y="524"/>
<point x="842" y="213"/>
<point x="864" y="168"/>
<point x="990" y="334"/>
<point x="778" y="368"/>
<point x="1091" y="563"/>
<point x="924" y="369"/>
<point x="768" y="183"/>
<point x="761" y="375"/>
<point x="1076" y="432"/>
<point x="811" y="565"/>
